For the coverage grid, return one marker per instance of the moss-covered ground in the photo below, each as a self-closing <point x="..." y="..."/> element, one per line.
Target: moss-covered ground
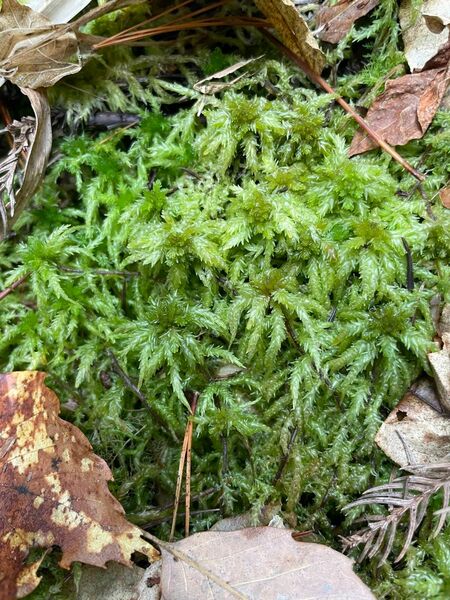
<point x="227" y="245"/>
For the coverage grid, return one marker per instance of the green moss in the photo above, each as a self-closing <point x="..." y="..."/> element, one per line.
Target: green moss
<point x="259" y="246"/>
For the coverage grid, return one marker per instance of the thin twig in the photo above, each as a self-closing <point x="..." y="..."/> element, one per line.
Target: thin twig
<point x="137" y="392"/>
<point x="409" y="266"/>
<point x="361" y="122"/>
<point x="179" y="481"/>
<point x="170" y="548"/>
<point x="285" y="457"/>
<point x="103" y="272"/>
<point x="188" y="463"/>
<point x="14" y="285"/>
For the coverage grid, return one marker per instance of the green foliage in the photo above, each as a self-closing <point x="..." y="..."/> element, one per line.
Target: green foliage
<point x="262" y="268"/>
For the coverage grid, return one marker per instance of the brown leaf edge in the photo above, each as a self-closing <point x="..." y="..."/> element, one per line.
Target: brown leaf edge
<point x="408" y="498"/>
<point x="335" y="21"/>
<point x="37" y="156"/>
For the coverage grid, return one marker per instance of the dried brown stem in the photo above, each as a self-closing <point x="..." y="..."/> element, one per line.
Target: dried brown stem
<point x="14" y="285"/>
<point x="317" y="79"/>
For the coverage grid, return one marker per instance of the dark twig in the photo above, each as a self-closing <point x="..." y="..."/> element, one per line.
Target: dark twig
<point x="285" y="457"/>
<point x="317" y="79"/>
<point x="409" y="266"/>
<point x="14" y="285"/>
<point x="137" y="392"/>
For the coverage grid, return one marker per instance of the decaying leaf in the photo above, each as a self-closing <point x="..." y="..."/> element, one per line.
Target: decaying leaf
<point x="444" y="195"/>
<point x="294" y="31"/>
<point x="416" y="431"/>
<point x="440" y="363"/>
<point x="34" y="53"/>
<point x="405" y="110"/>
<point x="54" y="488"/>
<point x="32" y="144"/>
<point x="420" y="42"/>
<point x="436" y="14"/>
<point x="261" y="562"/>
<point x="334" y="22"/>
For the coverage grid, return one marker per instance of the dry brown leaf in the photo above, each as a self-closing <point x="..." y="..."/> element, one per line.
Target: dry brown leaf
<point x="34" y="53"/>
<point x="263" y="563"/>
<point x="440" y="364"/>
<point x="404" y="111"/>
<point x="421" y="44"/>
<point x="415" y="432"/>
<point x="54" y="488"/>
<point x="294" y="31"/>
<point x="35" y="149"/>
<point x="336" y="21"/>
<point x="444" y="195"/>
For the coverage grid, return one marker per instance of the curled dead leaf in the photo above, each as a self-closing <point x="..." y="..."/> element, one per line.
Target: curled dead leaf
<point x="405" y="110"/>
<point x="421" y="43"/>
<point x="260" y="562"/>
<point x="32" y="143"/>
<point x="34" y="53"/>
<point x="294" y="31"/>
<point x="334" y="22"/>
<point x="54" y="488"/>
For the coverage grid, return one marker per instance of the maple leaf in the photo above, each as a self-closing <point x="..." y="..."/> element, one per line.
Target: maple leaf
<point x="54" y="489"/>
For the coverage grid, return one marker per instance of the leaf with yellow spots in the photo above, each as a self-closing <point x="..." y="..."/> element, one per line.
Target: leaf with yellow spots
<point x="53" y="489"/>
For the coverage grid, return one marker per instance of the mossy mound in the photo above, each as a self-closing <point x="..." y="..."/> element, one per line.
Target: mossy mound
<point x="228" y="246"/>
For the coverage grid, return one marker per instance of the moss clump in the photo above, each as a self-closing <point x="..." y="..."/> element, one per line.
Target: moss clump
<point x="241" y="255"/>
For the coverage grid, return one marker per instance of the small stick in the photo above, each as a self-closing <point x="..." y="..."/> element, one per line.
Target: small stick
<point x="179" y="481"/>
<point x="104" y="272"/>
<point x="170" y="548"/>
<point x="187" y="499"/>
<point x="285" y="456"/>
<point x="14" y="285"/>
<point x="137" y="392"/>
<point x="409" y="266"/>
<point x="361" y="122"/>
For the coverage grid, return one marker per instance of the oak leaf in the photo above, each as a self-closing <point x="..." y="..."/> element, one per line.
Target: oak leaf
<point x="405" y="110"/>
<point x="54" y="489"/>
<point x="334" y="22"/>
<point x="294" y="31"/>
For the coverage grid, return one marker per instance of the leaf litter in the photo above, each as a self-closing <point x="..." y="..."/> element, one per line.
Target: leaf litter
<point x="54" y="489"/>
<point x="334" y="22"/>
<point x="262" y="563"/>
